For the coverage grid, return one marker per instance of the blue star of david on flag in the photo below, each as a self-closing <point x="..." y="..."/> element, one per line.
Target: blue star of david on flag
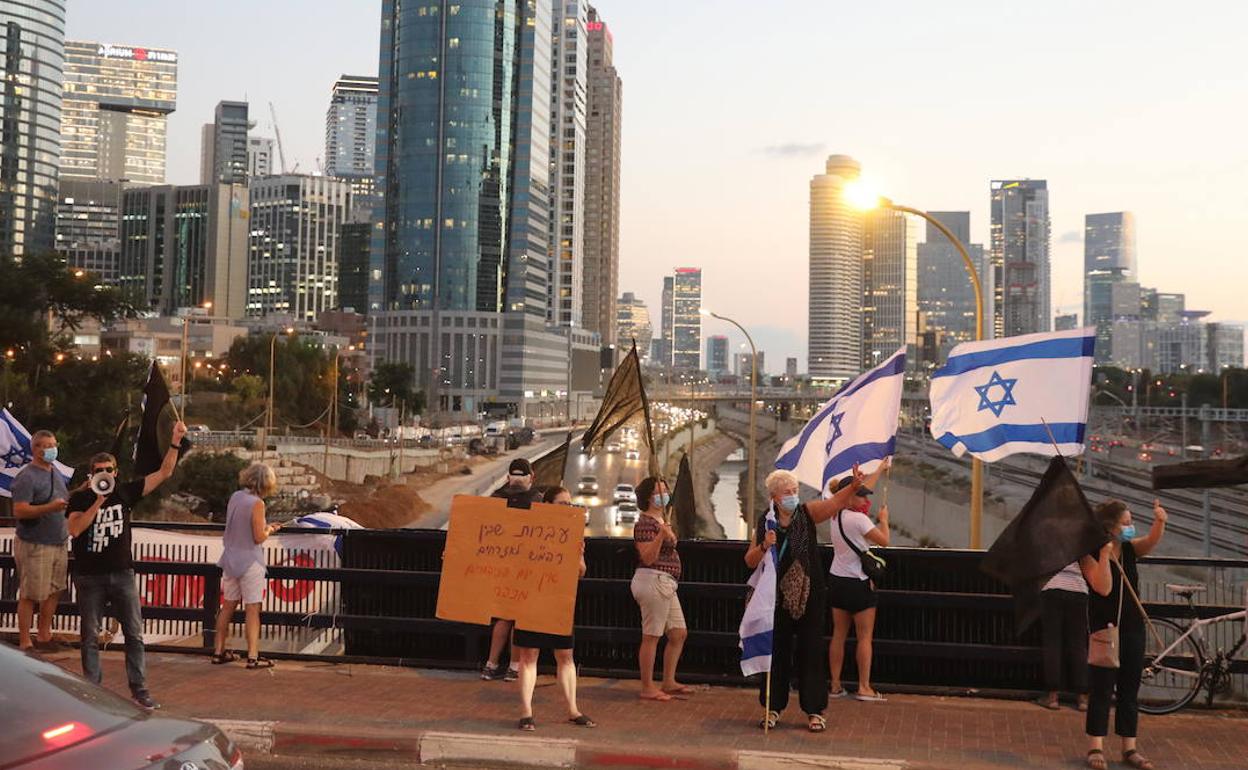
<point x="835" y="427"/>
<point x="15" y="457"/>
<point x="1007" y="394"/>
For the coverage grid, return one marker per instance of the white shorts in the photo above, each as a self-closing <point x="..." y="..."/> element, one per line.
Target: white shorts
<point x="249" y="587"/>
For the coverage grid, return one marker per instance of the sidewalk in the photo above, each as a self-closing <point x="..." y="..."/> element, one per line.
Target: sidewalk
<point x="439" y="717"/>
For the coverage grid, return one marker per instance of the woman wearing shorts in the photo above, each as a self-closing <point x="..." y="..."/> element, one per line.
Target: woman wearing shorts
<point x="528" y="644"/>
<point x="242" y="562"/>
<point x="654" y="589"/>
<point x="850" y="593"/>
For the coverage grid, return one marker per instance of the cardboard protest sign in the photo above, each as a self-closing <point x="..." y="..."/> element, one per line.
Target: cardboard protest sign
<point x="515" y="563"/>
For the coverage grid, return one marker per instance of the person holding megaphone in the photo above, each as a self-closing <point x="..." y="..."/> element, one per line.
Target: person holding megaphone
<point x="99" y="523"/>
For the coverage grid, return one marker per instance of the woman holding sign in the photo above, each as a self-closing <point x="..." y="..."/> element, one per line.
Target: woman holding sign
<point x="654" y="589"/>
<point x="528" y="644"/>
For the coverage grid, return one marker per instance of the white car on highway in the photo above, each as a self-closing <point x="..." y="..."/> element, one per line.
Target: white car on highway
<point x="588" y="485"/>
<point x="626" y="511"/>
<point x="625" y="493"/>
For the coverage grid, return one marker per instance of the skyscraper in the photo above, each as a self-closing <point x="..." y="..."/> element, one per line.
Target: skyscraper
<point x="88" y="226"/>
<point x="259" y="157"/>
<point x="663" y="347"/>
<point x="717" y="354"/>
<point x="633" y="324"/>
<point x="351" y="135"/>
<point x="687" y="318"/>
<point x="602" y="183"/>
<point x="1108" y="259"/>
<point x="223" y="152"/>
<point x="116" y="106"/>
<point x="292" y="266"/>
<point x="946" y="294"/>
<point x="353" y="267"/>
<point x="1020" y="257"/>
<point x="834" y="336"/>
<point x="30" y="124"/>
<point x="890" y="266"/>
<point x="570" y="54"/>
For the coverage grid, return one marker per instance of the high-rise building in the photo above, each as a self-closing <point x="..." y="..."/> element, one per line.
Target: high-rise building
<point x="292" y="266"/>
<point x="946" y="294"/>
<point x="1065" y="322"/>
<point x="890" y="271"/>
<point x="633" y="324"/>
<point x="663" y="345"/>
<point x="351" y="135"/>
<point x="834" y="336"/>
<point x="353" y="267"/>
<point x="185" y="246"/>
<point x="116" y="105"/>
<point x="1108" y="259"/>
<point x="463" y="143"/>
<point x="568" y="87"/>
<point x="1225" y="346"/>
<point x="88" y="226"/>
<point x="223" y="152"/>
<point x="742" y="367"/>
<point x="717" y="354"/>
<point x="30" y="124"/>
<point x="1020" y="257"/>
<point x="259" y="157"/>
<point x="687" y="318"/>
<point x="602" y="183"/>
<point x="790" y="368"/>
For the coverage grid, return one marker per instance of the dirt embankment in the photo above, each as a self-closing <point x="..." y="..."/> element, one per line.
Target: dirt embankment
<point x="385" y="504"/>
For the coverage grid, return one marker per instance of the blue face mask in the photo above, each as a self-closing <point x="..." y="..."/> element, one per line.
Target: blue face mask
<point x="49" y="455"/>
<point x="790" y="502"/>
<point x="1127" y="533"/>
<point x="661" y="501"/>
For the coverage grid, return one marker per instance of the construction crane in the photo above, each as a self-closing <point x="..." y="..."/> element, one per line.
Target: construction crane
<point x="281" y="155"/>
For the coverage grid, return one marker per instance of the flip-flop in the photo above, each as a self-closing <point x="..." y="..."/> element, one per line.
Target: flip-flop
<point x="817" y="723"/>
<point x="660" y="696"/>
<point x="527" y="724"/>
<point x="684" y="689"/>
<point x="583" y="721"/>
<point x="874" y="697"/>
<point x="226" y="657"/>
<point x="841" y="693"/>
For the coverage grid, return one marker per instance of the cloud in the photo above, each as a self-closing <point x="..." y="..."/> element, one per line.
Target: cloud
<point x="793" y="150"/>
<point x="1074" y="236"/>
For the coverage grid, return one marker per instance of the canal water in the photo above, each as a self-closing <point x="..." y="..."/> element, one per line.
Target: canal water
<point x="725" y="497"/>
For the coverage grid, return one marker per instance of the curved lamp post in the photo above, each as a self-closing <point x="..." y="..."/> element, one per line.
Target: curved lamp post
<point x="750" y="472"/>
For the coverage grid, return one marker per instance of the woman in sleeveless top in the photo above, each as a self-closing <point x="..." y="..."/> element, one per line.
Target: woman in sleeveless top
<point x="242" y="562"/>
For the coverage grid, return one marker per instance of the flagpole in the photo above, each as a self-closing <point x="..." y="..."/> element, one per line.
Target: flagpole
<point x="767" y="704"/>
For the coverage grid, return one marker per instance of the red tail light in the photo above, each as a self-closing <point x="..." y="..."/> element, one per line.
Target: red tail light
<point x="59" y="732"/>
<point x="63" y="735"/>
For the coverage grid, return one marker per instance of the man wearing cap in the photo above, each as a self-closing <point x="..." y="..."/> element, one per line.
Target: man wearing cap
<point x="519" y="493"/>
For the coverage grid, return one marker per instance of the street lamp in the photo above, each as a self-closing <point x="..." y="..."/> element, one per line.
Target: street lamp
<point x="268" y="410"/>
<point x="861" y="197"/>
<point x="750" y="478"/>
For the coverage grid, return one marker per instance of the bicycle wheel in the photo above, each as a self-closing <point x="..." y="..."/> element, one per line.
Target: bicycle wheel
<point x="1170" y="684"/>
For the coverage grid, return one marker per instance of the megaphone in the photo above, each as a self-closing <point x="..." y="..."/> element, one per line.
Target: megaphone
<point x="103" y="483"/>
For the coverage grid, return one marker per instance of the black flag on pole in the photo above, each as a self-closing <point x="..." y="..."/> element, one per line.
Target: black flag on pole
<point x="1055" y="528"/>
<point x="684" y="504"/>
<point x="625" y="399"/>
<point x="1201" y="474"/>
<point x="548" y="469"/>
<point x="156" y="426"/>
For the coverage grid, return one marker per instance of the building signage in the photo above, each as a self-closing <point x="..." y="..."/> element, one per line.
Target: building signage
<point x="137" y="54"/>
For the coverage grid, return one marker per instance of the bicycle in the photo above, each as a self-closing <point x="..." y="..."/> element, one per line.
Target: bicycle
<point x="1176" y="663"/>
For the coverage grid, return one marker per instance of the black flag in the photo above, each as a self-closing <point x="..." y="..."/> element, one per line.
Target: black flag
<point x="1055" y="528"/>
<point x="156" y="427"/>
<point x="1201" y="474"/>
<point x="548" y="469"/>
<point x="625" y="399"/>
<point x="684" y="505"/>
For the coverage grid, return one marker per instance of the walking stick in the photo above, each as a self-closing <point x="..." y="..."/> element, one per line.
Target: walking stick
<point x="767" y="704"/>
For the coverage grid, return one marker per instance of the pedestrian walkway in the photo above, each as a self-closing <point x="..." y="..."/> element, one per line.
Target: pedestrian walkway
<point x="440" y="716"/>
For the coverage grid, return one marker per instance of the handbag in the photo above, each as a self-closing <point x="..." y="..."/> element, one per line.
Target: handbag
<point x="1103" y="646"/>
<point x="873" y="565"/>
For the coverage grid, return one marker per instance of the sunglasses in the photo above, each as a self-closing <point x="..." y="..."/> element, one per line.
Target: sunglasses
<point x="105" y="469"/>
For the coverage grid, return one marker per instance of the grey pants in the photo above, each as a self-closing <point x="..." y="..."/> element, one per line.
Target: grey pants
<point x="117" y="588"/>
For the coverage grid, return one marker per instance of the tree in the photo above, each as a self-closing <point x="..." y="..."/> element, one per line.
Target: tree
<point x="301" y="389"/>
<point x="212" y="477"/>
<point x="392" y="384"/>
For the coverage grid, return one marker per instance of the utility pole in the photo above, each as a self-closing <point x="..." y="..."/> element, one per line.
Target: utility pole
<point x="1205" y="438"/>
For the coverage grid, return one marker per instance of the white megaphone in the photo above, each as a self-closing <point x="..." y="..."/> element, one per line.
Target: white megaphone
<point x="103" y="483"/>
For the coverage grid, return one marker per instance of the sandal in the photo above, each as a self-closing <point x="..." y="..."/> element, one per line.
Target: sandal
<point x="1137" y="760"/>
<point x="583" y="721"/>
<point x="260" y="662"/>
<point x="817" y="723"/>
<point x="527" y="724"/>
<point x="226" y="657"/>
<point x="769" y="722"/>
<point x="1096" y="760"/>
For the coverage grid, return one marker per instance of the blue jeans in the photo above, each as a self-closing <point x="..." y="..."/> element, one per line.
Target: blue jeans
<point x="117" y="588"/>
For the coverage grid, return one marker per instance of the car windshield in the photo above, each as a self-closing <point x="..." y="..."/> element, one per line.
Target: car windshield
<point x="46" y="708"/>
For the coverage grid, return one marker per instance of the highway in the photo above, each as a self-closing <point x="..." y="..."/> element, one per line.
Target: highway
<point x="609" y="469"/>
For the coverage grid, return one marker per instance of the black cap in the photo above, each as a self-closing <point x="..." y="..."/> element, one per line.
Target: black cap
<point x="863" y="491"/>
<point x="520" y="467"/>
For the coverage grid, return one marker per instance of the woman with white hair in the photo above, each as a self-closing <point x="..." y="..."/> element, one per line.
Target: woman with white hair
<point x="797" y="639"/>
<point x="242" y="562"/>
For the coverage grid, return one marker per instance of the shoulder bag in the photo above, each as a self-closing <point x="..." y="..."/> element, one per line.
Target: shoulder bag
<point x="1103" y="646"/>
<point x="873" y="565"/>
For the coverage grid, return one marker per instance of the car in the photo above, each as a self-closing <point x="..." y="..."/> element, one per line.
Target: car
<point x="55" y="719"/>
<point x="613" y="448"/>
<point x="625" y="492"/>
<point x="632" y="454"/>
<point x="626" y="511"/>
<point x="588" y="485"/>
<point x="198" y="429"/>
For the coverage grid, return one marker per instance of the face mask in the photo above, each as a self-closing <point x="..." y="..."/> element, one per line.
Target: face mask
<point x="1127" y="533"/>
<point x="49" y="455"/>
<point x="661" y="501"/>
<point x="790" y="502"/>
<point x="861" y="506"/>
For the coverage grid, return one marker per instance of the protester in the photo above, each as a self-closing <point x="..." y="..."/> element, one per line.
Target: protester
<point x="104" y="565"/>
<point x="519" y="493"/>
<point x="850" y="592"/>
<point x="1108" y="606"/>
<point x="39" y="500"/>
<point x="1064" y="613"/>
<point x="654" y="588"/>
<point x="797" y="634"/>
<point x="528" y="644"/>
<point x="242" y="562"/>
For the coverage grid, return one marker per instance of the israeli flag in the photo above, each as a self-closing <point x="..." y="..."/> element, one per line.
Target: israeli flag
<point x="858" y="425"/>
<point x="758" y="623"/>
<point x="993" y="398"/>
<point x="15" y="452"/>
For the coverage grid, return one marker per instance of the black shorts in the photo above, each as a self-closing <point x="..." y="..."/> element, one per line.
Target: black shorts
<point x="542" y="641"/>
<point x="851" y="594"/>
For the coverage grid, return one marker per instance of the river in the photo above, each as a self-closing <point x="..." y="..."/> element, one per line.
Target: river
<point x="724" y="497"/>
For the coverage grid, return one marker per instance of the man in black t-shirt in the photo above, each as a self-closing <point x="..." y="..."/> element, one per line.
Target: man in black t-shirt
<point x="103" y="565"/>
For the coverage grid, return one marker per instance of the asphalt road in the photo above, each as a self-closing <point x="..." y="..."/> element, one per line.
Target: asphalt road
<point x="609" y="469"/>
